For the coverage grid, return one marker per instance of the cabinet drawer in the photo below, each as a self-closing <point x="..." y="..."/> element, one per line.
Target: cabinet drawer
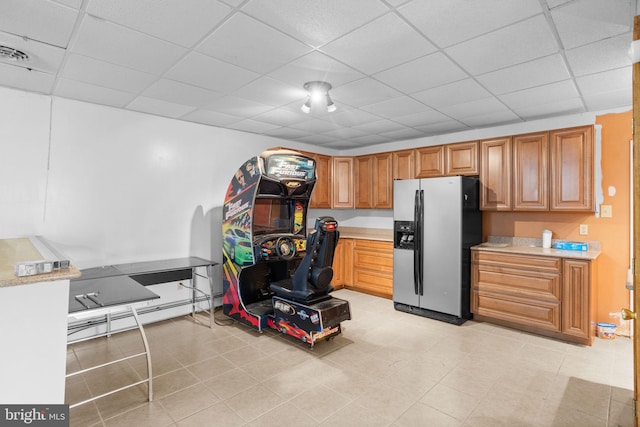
<point x="373" y="255"/>
<point x="541" y="314"/>
<point x="375" y="282"/>
<point x="501" y="259"/>
<point x="526" y="284"/>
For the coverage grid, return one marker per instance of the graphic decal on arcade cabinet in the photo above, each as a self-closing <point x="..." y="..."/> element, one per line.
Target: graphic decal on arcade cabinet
<point x="283" y="166"/>
<point x="237" y="246"/>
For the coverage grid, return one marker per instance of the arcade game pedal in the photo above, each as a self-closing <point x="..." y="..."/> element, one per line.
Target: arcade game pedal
<point x="273" y="274"/>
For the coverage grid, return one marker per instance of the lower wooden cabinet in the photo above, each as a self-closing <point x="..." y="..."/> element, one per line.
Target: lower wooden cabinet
<point x="364" y="266"/>
<point x="551" y="296"/>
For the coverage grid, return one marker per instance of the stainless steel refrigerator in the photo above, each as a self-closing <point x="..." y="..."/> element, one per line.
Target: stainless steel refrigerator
<point x="436" y="221"/>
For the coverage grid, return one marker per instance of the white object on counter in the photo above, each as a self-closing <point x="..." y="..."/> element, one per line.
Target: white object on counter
<point x="546" y="239"/>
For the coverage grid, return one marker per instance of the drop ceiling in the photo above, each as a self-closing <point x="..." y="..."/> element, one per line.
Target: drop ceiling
<point x="399" y="69"/>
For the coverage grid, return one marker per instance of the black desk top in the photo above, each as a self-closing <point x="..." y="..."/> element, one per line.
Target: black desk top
<point x="90" y="294"/>
<point x="90" y="291"/>
<point x="145" y="267"/>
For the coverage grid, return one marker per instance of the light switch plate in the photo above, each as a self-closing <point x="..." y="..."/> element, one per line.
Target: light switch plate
<point x="606" y="211"/>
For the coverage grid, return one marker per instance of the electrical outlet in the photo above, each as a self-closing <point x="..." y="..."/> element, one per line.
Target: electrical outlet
<point x="606" y="211"/>
<point x="584" y="229"/>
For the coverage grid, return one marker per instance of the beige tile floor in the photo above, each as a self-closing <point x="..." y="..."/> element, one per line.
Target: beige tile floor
<point x="387" y="368"/>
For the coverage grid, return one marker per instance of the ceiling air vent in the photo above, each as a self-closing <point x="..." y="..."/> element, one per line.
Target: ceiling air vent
<point x="10" y="53"/>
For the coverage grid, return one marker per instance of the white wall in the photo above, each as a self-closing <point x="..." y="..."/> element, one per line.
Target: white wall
<point x="110" y="186"/>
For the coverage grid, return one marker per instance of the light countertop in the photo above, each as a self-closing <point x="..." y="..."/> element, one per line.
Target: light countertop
<point x="382" y="234"/>
<point x="528" y="246"/>
<point x="21" y="249"/>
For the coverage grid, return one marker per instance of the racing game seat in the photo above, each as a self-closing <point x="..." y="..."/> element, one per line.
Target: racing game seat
<point x="311" y="280"/>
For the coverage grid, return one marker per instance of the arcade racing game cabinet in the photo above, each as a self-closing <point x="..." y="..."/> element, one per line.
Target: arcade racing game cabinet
<point x="273" y="274"/>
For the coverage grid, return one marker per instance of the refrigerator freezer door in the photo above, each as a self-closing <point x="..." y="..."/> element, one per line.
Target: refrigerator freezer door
<point x="404" y="280"/>
<point x="441" y="241"/>
<point x="403" y="197"/>
<point x="404" y="288"/>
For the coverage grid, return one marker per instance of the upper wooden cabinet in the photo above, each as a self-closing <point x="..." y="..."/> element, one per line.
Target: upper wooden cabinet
<point x="462" y="158"/>
<point x="571" y="174"/>
<point x="321" y="196"/>
<point x="430" y="161"/>
<point x="343" y="188"/>
<point x="552" y="171"/>
<point x="374" y="181"/>
<point x="495" y="174"/>
<point x="530" y="172"/>
<point x="383" y="181"/>
<point x="404" y="164"/>
<point x="364" y="182"/>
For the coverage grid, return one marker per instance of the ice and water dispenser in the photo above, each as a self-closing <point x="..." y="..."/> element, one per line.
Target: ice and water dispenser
<point x="403" y="235"/>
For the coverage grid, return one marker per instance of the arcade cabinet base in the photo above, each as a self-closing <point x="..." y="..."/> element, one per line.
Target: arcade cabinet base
<point x="309" y="322"/>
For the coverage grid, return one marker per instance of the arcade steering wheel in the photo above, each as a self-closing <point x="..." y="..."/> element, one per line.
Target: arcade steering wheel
<point x="285" y="248"/>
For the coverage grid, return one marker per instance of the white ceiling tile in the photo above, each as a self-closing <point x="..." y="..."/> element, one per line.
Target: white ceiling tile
<point x="210" y="73"/>
<point x="613" y="80"/>
<point x="315" y="126"/>
<point x="449" y="126"/>
<point x="554" y="92"/>
<point x="113" y="43"/>
<point x="533" y="73"/>
<point x="363" y="92"/>
<point x="374" y="47"/>
<point x="346" y="133"/>
<point x="22" y="78"/>
<point x="505" y="47"/>
<point x="180" y="93"/>
<point x="452" y="93"/>
<point x="406" y="133"/>
<point x="235" y="106"/>
<point x="287" y="133"/>
<point x="492" y="119"/>
<point x="100" y="73"/>
<point x="167" y="20"/>
<point x="473" y="108"/>
<point x="248" y="43"/>
<point x="158" y="107"/>
<point x="551" y="109"/>
<point x="211" y="118"/>
<point x="605" y="100"/>
<point x="271" y="92"/>
<point x="585" y="21"/>
<point x="42" y="56"/>
<point x="352" y="117"/>
<point x="396" y="107"/>
<point x="76" y="4"/>
<point x="600" y="56"/>
<point x="249" y="125"/>
<point x="316" y="66"/>
<point x="316" y="139"/>
<point x="40" y="20"/>
<point x="453" y="21"/>
<point x="72" y="89"/>
<point x="423" y="73"/>
<point x="315" y="23"/>
<point x="280" y="117"/>
<point x="380" y="126"/>
<point x="556" y="3"/>
<point x="418" y="119"/>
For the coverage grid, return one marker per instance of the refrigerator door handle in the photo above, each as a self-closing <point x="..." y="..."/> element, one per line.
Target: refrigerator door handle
<point x="416" y="243"/>
<point x="421" y="244"/>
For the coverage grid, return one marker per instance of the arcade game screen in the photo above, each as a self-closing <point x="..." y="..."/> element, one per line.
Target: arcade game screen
<point x="271" y="216"/>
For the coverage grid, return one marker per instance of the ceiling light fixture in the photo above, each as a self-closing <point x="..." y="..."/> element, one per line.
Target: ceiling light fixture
<point x="317" y="92"/>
